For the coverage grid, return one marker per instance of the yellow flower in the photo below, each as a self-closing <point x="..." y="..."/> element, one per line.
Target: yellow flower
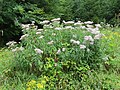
<point x="28" y="88"/>
<point x="39" y="85"/>
<point x="31" y="83"/>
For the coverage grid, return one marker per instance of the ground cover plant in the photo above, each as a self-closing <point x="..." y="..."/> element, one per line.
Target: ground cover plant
<point x="67" y="56"/>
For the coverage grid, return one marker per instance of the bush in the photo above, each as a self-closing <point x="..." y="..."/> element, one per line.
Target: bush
<point x="59" y="52"/>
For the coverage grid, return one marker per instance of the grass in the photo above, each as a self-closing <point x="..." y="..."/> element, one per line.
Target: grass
<point x="109" y="75"/>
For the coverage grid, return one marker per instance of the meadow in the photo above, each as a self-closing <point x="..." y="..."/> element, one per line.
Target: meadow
<point x="68" y="56"/>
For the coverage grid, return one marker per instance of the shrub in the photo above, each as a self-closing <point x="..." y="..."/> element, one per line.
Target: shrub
<point x="59" y="52"/>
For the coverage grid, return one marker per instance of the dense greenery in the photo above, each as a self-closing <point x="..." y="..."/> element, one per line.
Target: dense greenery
<point x="15" y="12"/>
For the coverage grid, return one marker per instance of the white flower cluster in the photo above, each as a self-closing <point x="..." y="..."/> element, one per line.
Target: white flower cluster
<point x="50" y="42"/>
<point x="24" y="36"/>
<point x="11" y="44"/>
<point x="75" y="42"/>
<point x="89" y="39"/>
<point x="38" y="51"/>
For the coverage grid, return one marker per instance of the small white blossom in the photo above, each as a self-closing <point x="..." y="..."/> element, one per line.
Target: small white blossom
<point x="33" y="22"/>
<point x="58" y="52"/>
<point x="98" y="25"/>
<point x="15" y="50"/>
<point x="82" y="27"/>
<point x="38" y="33"/>
<point x="68" y="22"/>
<point x="90" y="26"/>
<point x="82" y="46"/>
<point x="75" y="42"/>
<point x="11" y="43"/>
<point x="25" y="26"/>
<point x="51" y="42"/>
<point x="58" y="28"/>
<point x="41" y="37"/>
<point x="63" y="49"/>
<point x="44" y="22"/>
<point x="88" y="38"/>
<point x="98" y="36"/>
<point x="88" y="22"/>
<point x="39" y="30"/>
<point x="69" y="27"/>
<point x="38" y="51"/>
<point x="78" y="24"/>
<point x="56" y="19"/>
<point x="24" y="36"/>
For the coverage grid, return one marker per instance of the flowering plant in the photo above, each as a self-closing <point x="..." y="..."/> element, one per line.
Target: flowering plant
<point x="58" y="49"/>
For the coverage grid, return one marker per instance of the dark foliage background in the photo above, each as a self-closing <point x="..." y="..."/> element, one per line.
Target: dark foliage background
<point x="15" y="12"/>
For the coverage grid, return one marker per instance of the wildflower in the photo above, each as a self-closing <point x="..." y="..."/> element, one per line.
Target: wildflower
<point x="44" y="22"/>
<point x="24" y="36"/>
<point x="98" y="36"/>
<point x="41" y="37"/>
<point x="38" y="51"/>
<point x="88" y="38"/>
<point x="82" y="46"/>
<point x="38" y="33"/>
<point x="68" y="22"/>
<point x="51" y="42"/>
<point x="69" y="27"/>
<point x="58" y="28"/>
<point x="25" y="26"/>
<point x="63" y="49"/>
<point x="40" y="86"/>
<point x="98" y="25"/>
<point x="78" y="24"/>
<point x="75" y="42"/>
<point x="90" y="26"/>
<point x="16" y="49"/>
<point x="59" y="51"/>
<point x="11" y="43"/>
<point x="39" y="30"/>
<point x="55" y="64"/>
<point x="82" y="27"/>
<point x="93" y="30"/>
<point x="88" y="22"/>
<point x="56" y="19"/>
<point x="33" y="22"/>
